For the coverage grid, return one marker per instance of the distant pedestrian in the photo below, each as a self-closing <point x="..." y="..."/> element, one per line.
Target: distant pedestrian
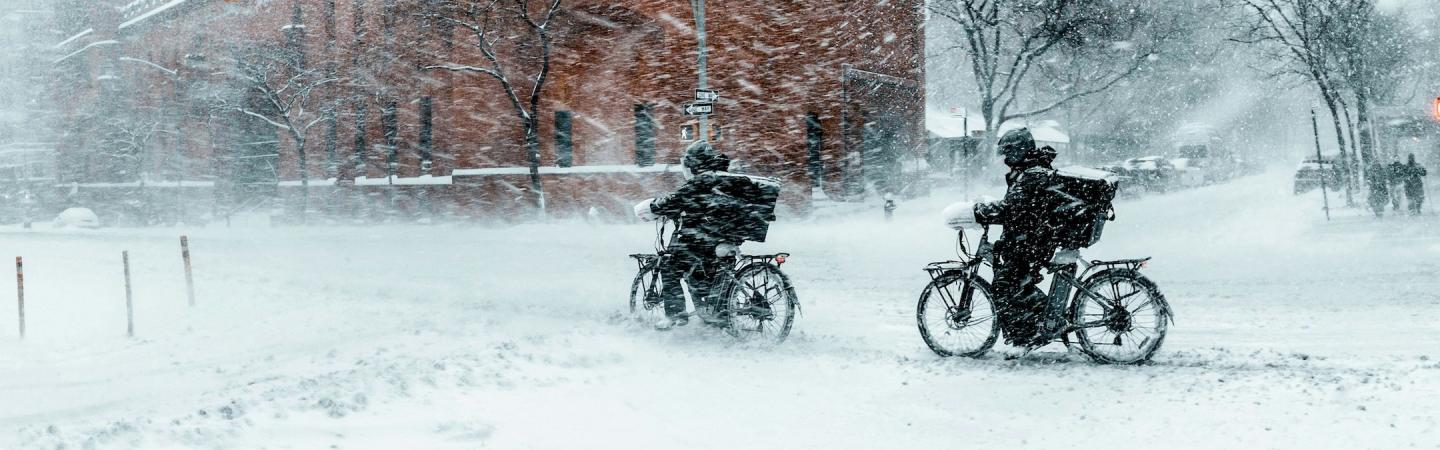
<point x="1377" y="176"/>
<point x="1411" y="175"/>
<point x="1396" y="173"/>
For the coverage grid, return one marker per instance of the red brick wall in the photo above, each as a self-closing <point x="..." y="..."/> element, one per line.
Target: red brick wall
<point x="773" y="62"/>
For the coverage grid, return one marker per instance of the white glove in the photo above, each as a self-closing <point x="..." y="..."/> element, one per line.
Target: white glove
<point x="724" y="250"/>
<point x="642" y="211"/>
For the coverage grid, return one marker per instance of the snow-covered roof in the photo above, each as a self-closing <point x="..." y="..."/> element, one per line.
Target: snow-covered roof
<point x="86" y="47"/>
<point x="150" y="13"/>
<point x="622" y="168"/>
<point x="76" y="36"/>
<point x="1043" y="131"/>
<point x="945" y="125"/>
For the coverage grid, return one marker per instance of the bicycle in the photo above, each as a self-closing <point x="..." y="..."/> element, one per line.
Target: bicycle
<point x="757" y="301"/>
<point x="1109" y="329"/>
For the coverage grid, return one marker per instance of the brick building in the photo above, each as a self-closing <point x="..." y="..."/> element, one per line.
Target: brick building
<point x="825" y="94"/>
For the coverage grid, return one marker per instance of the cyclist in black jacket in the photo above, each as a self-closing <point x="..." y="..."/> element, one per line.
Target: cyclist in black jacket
<point x="1028" y="240"/>
<point x="704" y="234"/>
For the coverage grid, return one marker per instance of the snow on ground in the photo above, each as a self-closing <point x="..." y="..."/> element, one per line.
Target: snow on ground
<point x="1290" y="333"/>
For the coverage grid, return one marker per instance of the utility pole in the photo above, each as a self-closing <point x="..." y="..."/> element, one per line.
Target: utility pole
<point x="698" y="6"/>
<point x="1320" y="164"/>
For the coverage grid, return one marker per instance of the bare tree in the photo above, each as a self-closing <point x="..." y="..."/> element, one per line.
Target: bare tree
<point x="1340" y="47"/>
<point x="507" y="54"/>
<point x="1007" y="40"/>
<point x="286" y="95"/>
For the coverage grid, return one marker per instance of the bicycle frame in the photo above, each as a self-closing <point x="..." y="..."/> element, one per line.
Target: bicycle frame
<point x="727" y="273"/>
<point x="1063" y="274"/>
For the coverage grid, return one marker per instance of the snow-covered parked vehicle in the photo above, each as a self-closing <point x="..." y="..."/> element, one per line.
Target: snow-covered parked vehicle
<point x="77" y="218"/>
<point x="1313" y="172"/>
<point x="1154" y="173"/>
<point x="1188" y="174"/>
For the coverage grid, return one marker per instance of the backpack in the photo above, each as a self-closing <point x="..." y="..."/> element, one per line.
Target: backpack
<point x="1085" y="203"/>
<point x="742" y="207"/>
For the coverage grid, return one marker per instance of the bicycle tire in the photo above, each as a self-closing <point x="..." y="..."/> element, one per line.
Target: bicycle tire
<point x="643" y="284"/>
<point x="746" y="319"/>
<point x="922" y="308"/>
<point x="1155" y="300"/>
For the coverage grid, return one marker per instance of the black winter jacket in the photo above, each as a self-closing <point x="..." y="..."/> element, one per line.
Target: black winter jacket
<point x="705" y="207"/>
<point x="1025" y="213"/>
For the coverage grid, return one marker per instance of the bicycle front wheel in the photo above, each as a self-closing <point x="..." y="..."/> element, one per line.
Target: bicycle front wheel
<point x="645" y="303"/>
<point x="1124" y="322"/>
<point x="762" y="304"/>
<point x="956" y="316"/>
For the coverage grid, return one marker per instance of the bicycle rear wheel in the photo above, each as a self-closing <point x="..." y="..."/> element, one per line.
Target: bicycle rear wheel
<point x="954" y="323"/>
<point x="645" y="302"/>
<point x="761" y="303"/>
<point x="1125" y="322"/>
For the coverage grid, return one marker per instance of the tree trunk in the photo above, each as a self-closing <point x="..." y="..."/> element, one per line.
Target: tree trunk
<point x="532" y="156"/>
<point x="1362" y="121"/>
<point x="304" y="178"/>
<point x="1348" y="168"/>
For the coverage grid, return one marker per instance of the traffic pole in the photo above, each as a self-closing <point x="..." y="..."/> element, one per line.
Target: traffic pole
<point x="20" y="292"/>
<point x="189" y="278"/>
<point x="1320" y="163"/>
<point x="701" y="61"/>
<point x="129" y="299"/>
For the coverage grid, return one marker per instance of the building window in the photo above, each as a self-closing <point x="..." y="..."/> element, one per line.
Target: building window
<point x="427" y="118"/>
<point x="360" y="112"/>
<point x="390" y="125"/>
<point x="644" y="135"/>
<point x="564" y="144"/>
<point x="815" y="145"/>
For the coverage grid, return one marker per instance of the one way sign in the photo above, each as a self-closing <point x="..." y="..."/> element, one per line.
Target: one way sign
<point x="699" y="109"/>
<point x="706" y="95"/>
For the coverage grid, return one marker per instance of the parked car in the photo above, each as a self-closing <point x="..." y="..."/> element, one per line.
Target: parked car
<point x="1311" y="171"/>
<point x="1126" y="183"/>
<point x="1154" y="173"/>
<point x="1189" y="175"/>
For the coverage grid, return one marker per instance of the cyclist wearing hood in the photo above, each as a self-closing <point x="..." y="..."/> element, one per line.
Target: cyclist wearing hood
<point x="703" y="233"/>
<point x="1028" y="240"/>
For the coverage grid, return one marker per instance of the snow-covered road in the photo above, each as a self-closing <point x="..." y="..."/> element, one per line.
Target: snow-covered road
<point x="1290" y="333"/>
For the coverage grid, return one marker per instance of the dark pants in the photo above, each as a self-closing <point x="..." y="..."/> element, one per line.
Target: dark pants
<point x="692" y="260"/>
<point x="1417" y="198"/>
<point x="1019" y="302"/>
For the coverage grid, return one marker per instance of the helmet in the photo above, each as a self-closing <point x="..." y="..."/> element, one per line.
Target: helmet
<point x="1016" y="143"/>
<point x="1018" y="148"/>
<point x="700" y="156"/>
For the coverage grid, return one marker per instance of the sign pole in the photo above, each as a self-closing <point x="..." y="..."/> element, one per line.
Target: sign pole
<point x="189" y="279"/>
<point x="1320" y="160"/>
<point x="129" y="299"/>
<point x="701" y="59"/>
<point x="20" y="292"/>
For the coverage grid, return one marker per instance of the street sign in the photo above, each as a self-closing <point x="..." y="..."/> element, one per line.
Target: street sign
<point x="706" y="95"/>
<point x="699" y="109"/>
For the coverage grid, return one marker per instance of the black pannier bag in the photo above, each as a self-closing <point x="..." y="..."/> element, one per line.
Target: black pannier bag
<point x="742" y="207"/>
<point x="1087" y="202"/>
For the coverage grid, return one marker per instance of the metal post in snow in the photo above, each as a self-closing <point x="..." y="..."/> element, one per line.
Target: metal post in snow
<point x="698" y="6"/>
<point x="20" y="292"/>
<point x="129" y="298"/>
<point x="1320" y="163"/>
<point x="189" y="279"/>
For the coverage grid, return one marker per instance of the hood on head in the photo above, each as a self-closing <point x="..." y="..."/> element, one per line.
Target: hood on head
<point x="701" y="157"/>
